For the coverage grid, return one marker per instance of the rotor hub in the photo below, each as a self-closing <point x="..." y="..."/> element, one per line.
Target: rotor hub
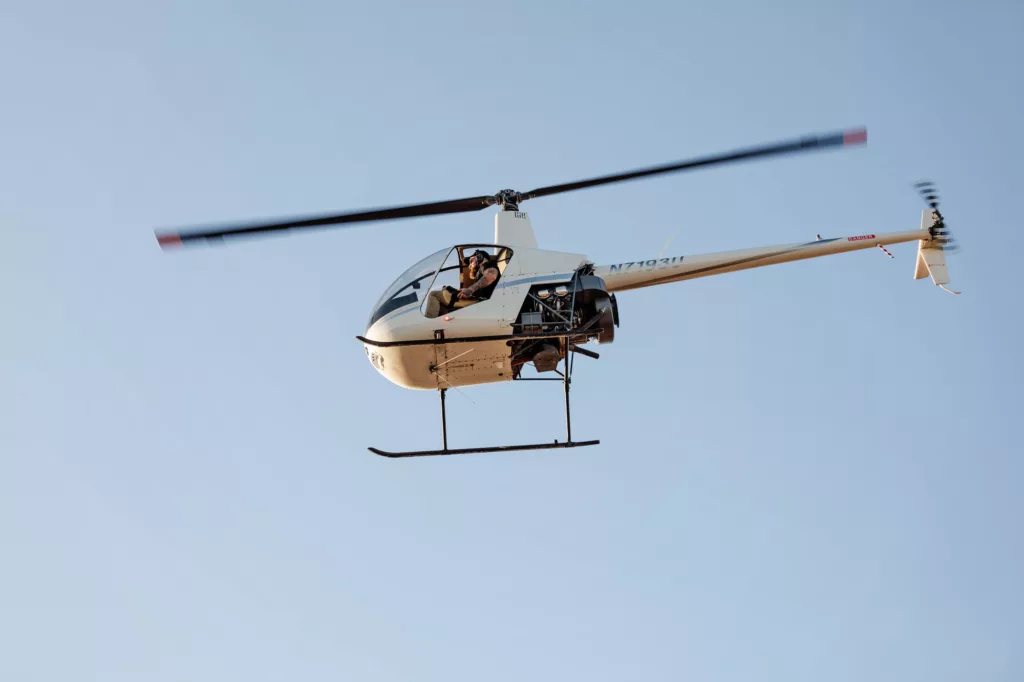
<point x="508" y="199"/>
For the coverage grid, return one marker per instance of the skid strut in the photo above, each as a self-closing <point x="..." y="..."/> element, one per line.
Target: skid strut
<point x="569" y="443"/>
<point x="444" y="421"/>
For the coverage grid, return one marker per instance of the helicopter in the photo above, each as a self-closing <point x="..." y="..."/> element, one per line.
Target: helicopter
<point x="426" y="332"/>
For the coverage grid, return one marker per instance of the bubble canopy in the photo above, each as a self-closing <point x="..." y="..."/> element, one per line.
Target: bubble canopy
<point x="410" y="287"/>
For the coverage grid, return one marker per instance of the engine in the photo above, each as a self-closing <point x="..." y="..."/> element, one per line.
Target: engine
<point x="581" y="307"/>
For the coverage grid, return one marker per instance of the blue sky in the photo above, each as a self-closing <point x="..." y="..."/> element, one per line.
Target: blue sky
<point x="807" y="472"/>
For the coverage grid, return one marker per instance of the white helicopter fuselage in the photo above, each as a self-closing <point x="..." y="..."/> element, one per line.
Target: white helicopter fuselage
<point x="476" y="357"/>
<point x="436" y="366"/>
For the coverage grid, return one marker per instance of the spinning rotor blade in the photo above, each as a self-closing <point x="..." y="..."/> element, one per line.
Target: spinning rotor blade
<point x="510" y="198"/>
<point x="849" y="137"/>
<point x="168" y="239"/>
<point x="928" y="192"/>
<point x="943" y="236"/>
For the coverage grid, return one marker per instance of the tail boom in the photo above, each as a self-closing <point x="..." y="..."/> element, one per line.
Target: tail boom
<point x="640" y="274"/>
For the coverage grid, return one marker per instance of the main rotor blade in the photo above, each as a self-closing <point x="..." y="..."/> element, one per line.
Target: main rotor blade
<point x="837" y="139"/>
<point x="169" y="239"/>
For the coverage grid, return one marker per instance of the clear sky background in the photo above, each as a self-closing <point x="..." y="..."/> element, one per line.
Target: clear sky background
<point x="807" y="472"/>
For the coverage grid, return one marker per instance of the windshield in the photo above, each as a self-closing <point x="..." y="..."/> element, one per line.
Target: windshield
<point x="410" y="287"/>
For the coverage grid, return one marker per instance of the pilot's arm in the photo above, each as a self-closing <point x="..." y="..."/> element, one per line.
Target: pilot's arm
<point x="489" y="276"/>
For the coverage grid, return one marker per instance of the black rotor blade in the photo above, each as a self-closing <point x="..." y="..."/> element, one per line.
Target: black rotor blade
<point x="168" y="239"/>
<point x="838" y="139"/>
<point x="928" y="192"/>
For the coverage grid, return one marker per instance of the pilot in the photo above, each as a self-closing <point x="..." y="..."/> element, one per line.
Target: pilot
<point x="478" y="284"/>
<point x="483" y="272"/>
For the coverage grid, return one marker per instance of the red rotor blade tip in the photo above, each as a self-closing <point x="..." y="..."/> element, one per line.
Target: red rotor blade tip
<point x="858" y="136"/>
<point x="168" y="240"/>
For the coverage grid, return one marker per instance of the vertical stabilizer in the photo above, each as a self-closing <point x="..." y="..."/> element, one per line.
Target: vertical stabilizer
<point x="921" y="271"/>
<point x="931" y="253"/>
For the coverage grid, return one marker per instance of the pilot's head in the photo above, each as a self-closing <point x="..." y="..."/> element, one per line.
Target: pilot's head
<point x="477" y="260"/>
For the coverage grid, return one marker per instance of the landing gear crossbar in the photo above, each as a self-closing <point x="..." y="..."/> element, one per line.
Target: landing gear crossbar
<point x="445" y="450"/>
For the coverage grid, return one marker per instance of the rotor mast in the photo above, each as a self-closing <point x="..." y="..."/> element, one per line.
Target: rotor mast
<point x="512" y="227"/>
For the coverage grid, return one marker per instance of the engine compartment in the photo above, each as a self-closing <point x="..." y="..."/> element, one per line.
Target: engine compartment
<point x="581" y="307"/>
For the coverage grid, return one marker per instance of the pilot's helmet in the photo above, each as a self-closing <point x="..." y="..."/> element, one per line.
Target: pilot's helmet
<point x="481" y="257"/>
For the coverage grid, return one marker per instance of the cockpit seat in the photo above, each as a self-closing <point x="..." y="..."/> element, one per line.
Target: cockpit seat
<point x="445" y="300"/>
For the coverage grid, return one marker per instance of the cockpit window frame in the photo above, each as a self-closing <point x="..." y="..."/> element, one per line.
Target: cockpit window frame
<point x="504" y="255"/>
<point x="462" y="249"/>
<point x="393" y="297"/>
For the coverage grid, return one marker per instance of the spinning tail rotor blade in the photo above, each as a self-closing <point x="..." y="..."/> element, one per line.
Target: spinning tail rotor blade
<point x="169" y="239"/>
<point x="941" y="234"/>
<point x="928" y="192"/>
<point x="840" y="139"/>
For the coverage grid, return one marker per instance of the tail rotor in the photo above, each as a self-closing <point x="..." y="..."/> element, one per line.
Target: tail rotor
<point x="931" y="253"/>
<point x="942" y="237"/>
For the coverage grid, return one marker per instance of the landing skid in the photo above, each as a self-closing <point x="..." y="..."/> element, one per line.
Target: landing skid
<point x="496" y="448"/>
<point x="445" y="450"/>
